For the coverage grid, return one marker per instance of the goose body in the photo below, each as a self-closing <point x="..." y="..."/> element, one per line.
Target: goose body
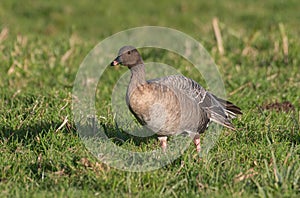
<point x="165" y="109"/>
<point x="174" y="104"/>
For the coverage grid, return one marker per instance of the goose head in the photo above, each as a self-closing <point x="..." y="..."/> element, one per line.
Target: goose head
<point x="128" y="56"/>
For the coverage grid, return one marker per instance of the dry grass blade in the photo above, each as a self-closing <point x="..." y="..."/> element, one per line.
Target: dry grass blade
<point x="218" y="35"/>
<point x="240" y="88"/>
<point x="248" y="174"/>
<point x="4" y="34"/>
<point x="66" y="56"/>
<point x="285" y="44"/>
<point x="63" y="124"/>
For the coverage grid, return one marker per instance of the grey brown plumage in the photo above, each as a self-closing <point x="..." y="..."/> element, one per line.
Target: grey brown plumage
<point x="173" y="104"/>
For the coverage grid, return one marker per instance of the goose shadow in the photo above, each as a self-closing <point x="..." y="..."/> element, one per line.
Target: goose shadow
<point x="112" y="132"/>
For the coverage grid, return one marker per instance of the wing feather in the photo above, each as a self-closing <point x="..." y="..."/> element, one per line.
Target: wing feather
<point x="218" y="110"/>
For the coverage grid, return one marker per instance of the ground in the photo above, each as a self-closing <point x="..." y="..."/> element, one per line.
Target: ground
<point x="42" y="44"/>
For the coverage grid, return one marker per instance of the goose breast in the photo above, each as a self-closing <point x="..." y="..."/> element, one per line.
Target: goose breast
<point x="166" y="110"/>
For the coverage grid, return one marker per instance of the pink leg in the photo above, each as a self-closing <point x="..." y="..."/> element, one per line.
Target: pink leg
<point x="163" y="143"/>
<point x="197" y="142"/>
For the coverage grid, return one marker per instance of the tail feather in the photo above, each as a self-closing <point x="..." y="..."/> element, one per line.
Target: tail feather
<point x="224" y="112"/>
<point x="223" y="121"/>
<point x="231" y="109"/>
<point x="230" y="106"/>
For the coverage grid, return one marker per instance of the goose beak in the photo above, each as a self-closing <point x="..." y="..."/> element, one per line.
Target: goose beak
<point x="117" y="61"/>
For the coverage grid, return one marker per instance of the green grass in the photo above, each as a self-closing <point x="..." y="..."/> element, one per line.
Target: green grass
<point x="38" y="159"/>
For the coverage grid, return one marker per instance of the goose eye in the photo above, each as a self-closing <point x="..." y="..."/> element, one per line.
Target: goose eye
<point x="129" y="52"/>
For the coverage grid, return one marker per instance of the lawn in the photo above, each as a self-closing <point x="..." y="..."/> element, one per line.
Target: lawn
<point x="43" y="43"/>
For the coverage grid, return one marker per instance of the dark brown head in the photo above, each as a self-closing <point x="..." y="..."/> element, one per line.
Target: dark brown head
<point x="128" y="56"/>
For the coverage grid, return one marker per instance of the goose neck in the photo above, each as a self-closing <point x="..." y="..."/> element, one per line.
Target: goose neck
<point x="137" y="75"/>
